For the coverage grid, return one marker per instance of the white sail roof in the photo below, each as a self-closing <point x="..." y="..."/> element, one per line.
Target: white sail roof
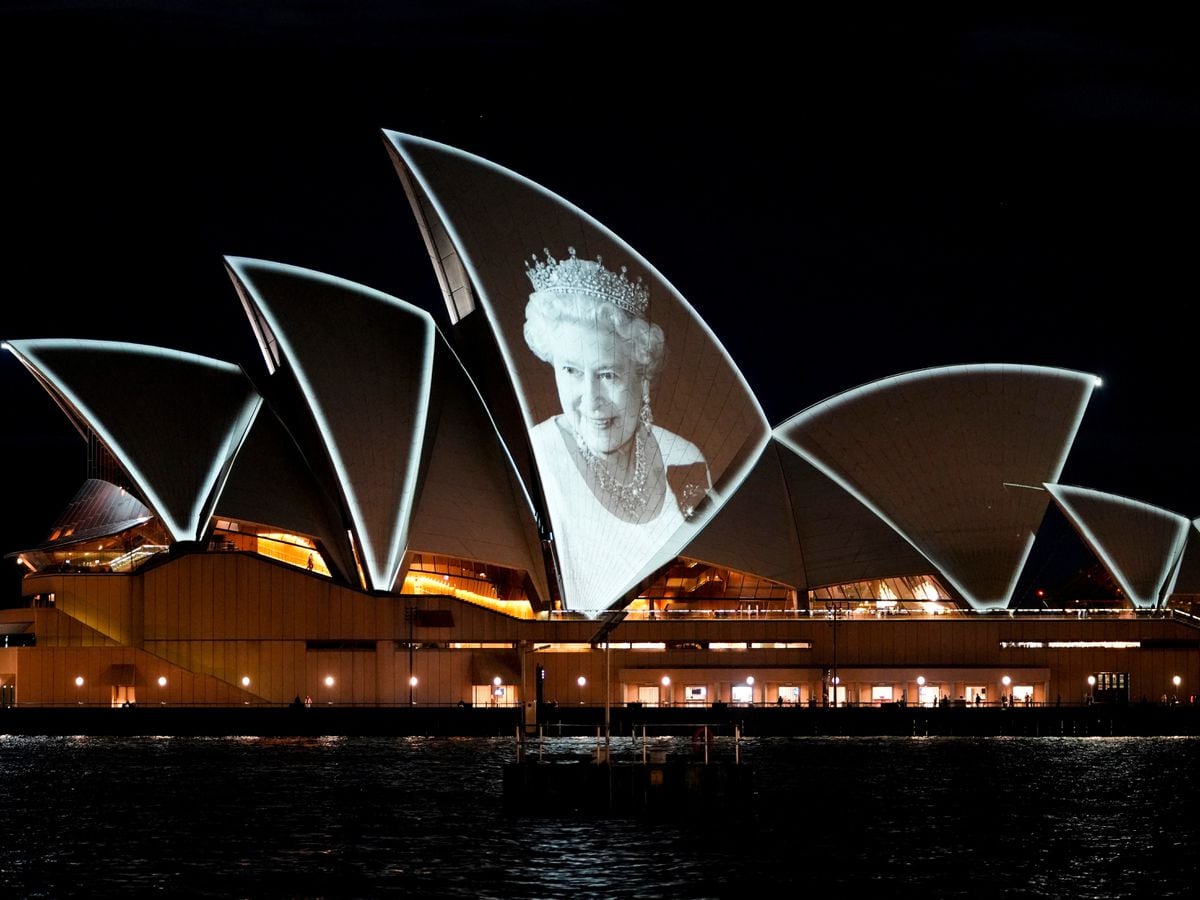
<point x="173" y="421"/>
<point x="953" y="459"/>
<point x="1139" y="544"/>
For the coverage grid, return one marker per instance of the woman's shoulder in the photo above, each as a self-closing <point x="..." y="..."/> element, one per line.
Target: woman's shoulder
<point x="549" y="437"/>
<point x="676" y="449"/>
<point x="547" y="429"/>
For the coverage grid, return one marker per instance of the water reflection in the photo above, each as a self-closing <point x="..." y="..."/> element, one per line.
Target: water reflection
<point x="365" y="817"/>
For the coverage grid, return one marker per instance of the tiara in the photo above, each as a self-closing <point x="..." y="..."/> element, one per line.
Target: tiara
<point x="582" y="276"/>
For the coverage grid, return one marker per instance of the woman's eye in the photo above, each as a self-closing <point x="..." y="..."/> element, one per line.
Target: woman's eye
<point x="571" y="370"/>
<point x="609" y="376"/>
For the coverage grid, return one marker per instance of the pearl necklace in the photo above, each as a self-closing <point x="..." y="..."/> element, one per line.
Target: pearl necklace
<point x="629" y="496"/>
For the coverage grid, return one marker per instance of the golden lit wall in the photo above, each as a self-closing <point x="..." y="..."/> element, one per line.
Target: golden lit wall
<point x="105" y="603"/>
<point x="231" y="616"/>
<point x="225" y="616"/>
<point x="46" y="676"/>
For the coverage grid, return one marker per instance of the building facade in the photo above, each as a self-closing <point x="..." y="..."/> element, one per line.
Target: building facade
<point x="569" y="495"/>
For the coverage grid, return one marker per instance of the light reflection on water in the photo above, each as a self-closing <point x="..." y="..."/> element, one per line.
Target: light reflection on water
<point x="422" y="817"/>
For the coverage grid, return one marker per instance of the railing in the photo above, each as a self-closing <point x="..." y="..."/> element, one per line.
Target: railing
<point x="864" y="615"/>
<point x="645" y="743"/>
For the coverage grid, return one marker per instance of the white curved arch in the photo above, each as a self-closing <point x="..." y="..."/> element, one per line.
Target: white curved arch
<point x="173" y="420"/>
<point x="1141" y="545"/>
<point x="947" y="455"/>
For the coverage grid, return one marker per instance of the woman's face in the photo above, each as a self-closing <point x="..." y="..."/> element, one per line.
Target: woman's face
<point x="598" y="385"/>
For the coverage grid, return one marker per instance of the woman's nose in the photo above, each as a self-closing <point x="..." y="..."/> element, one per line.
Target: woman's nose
<point x="593" y="394"/>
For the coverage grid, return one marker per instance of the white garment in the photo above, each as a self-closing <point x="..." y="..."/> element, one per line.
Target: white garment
<point x="600" y="555"/>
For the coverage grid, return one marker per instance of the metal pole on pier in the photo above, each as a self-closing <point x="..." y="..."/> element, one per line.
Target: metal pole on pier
<point x="610" y="619"/>
<point x="607" y="701"/>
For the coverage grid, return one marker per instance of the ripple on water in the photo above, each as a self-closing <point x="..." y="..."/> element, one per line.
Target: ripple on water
<point x="363" y="817"/>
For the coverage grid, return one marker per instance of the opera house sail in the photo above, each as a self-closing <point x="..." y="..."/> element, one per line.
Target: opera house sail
<point x="640" y="424"/>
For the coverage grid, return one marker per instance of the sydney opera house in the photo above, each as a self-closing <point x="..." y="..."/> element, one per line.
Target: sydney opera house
<point x="568" y="494"/>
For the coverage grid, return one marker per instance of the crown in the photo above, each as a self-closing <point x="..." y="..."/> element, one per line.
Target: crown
<point x="582" y="276"/>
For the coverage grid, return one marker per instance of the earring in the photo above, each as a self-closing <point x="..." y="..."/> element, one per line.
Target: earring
<point x="644" y="413"/>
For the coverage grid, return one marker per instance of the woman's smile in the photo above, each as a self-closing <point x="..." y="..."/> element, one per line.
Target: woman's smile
<point x="598" y="386"/>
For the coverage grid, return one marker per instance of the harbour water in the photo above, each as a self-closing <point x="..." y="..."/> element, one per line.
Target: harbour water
<point x="1080" y="817"/>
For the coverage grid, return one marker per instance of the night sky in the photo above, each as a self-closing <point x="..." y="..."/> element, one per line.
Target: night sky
<point x="841" y="198"/>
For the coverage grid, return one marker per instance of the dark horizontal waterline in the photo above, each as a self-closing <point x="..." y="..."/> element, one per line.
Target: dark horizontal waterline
<point x="1130" y="720"/>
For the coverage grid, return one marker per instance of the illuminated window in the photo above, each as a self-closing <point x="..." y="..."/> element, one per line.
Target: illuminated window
<point x="691" y="584"/>
<point x="782" y="645"/>
<point x="494" y="587"/>
<point x="1070" y="645"/>
<point x="922" y="589"/>
<point x="296" y="550"/>
<point x="493" y="694"/>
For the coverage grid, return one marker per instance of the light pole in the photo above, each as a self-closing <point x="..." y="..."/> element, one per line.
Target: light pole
<point x="920" y="684"/>
<point x="1176" y="681"/>
<point x="530" y="710"/>
<point x="835" y="674"/>
<point x="665" y="694"/>
<point x="329" y="684"/>
<point x="1006" y="698"/>
<point x="1091" y="689"/>
<point x="410" y="614"/>
<point x="582" y="682"/>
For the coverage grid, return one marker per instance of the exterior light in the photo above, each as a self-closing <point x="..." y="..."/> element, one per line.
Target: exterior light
<point x="328" y="681"/>
<point x="496" y="681"/>
<point x="666" y="681"/>
<point x="245" y="681"/>
<point x="1006" y="681"/>
<point x="1091" y="681"/>
<point x="162" y="680"/>
<point x="1176" y="681"/>
<point x="581" y="681"/>
<point x="78" y="681"/>
<point x="920" y="681"/>
<point x="412" y="682"/>
<point x="749" y="679"/>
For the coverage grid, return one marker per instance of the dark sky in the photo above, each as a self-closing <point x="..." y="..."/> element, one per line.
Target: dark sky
<point x="842" y="198"/>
